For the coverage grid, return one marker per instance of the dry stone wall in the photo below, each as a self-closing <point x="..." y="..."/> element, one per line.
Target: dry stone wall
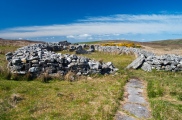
<point x="41" y="58"/>
<point x="146" y="60"/>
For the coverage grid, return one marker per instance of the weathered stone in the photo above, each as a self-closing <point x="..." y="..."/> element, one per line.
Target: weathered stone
<point x="168" y="68"/>
<point x="91" y="49"/>
<point x="136" y="63"/>
<point x="15" y="61"/>
<point x="33" y="69"/>
<point x="80" y="50"/>
<point x="9" y="54"/>
<point x="8" y="58"/>
<point x="17" y="67"/>
<point x="120" y="116"/>
<point x="19" y="54"/>
<point x="35" y="61"/>
<point x="94" y="65"/>
<point x="146" y="67"/>
<point x="24" y="60"/>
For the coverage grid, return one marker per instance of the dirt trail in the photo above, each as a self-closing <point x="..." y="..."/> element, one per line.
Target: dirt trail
<point x="135" y="105"/>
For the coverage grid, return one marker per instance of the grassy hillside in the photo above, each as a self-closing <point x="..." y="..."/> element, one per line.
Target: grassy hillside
<point x="168" y="42"/>
<point x="90" y="97"/>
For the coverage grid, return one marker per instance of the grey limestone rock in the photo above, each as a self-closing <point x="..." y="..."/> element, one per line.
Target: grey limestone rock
<point x="136" y="63"/>
<point x="146" y="67"/>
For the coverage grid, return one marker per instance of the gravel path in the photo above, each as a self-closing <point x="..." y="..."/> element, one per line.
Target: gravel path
<point x="134" y="106"/>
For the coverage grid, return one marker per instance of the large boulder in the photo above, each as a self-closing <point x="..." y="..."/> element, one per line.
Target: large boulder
<point x="137" y="62"/>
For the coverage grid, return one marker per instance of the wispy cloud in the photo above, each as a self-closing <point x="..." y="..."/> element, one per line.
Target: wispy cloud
<point x="81" y="36"/>
<point x="134" y="18"/>
<point x="116" y="25"/>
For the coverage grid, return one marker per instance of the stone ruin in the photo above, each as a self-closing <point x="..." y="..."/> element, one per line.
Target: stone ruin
<point x="41" y="58"/>
<point x="163" y="62"/>
<point x="146" y="60"/>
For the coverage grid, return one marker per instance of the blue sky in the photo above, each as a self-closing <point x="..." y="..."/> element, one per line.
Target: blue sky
<point x="90" y="20"/>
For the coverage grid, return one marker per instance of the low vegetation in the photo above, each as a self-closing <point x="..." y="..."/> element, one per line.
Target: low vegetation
<point x="89" y="97"/>
<point x="124" y="44"/>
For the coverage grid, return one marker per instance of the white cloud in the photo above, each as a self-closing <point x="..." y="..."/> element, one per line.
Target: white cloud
<point x="115" y="25"/>
<point x="81" y="36"/>
<point x="84" y="35"/>
<point x="70" y="36"/>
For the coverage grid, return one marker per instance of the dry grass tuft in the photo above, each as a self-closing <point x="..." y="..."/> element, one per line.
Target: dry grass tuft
<point x="14" y="99"/>
<point x="70" y="76"/>
<point x="45" y="77"/>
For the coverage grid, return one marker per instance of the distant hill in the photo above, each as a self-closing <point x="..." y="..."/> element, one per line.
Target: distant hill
<point x="164" y="42"/>
<point x="18" y="43"/>
<point x="168" y="42"/>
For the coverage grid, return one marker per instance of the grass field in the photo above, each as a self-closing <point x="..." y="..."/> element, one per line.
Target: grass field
<point x="93" y="97"/>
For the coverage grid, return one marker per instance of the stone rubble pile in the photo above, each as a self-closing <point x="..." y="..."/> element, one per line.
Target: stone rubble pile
<point x="163" y="62"/>
<point x="146" y="60"/>
<point x="40" y="58"/>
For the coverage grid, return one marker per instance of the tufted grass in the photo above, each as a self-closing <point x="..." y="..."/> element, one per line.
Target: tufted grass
<point x="164" y="93"/>
<point x="93" y="97"/>
<point x="96" y="98"/>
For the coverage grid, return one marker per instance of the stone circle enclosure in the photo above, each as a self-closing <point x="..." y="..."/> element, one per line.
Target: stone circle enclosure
<point x="42" y="58"/>
<point x="39" y="58"/>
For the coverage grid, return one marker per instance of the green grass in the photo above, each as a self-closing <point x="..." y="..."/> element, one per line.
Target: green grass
<point x="94" y="97"/>
<point x="165" y="110"/>
<point x="7" y="48"/>
<point x="83" y="99"/>
<point x="93" y="42"/>
<point x="164" y="91"/>
<point x="3" y="50"/>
